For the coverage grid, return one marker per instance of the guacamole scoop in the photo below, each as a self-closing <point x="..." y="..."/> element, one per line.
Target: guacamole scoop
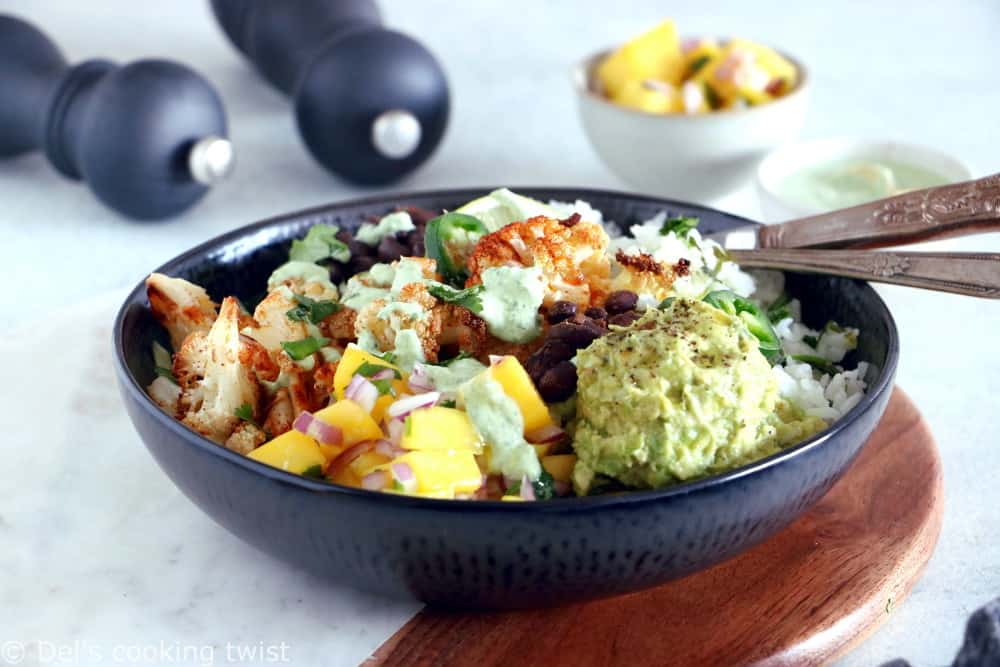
<point x="681" y="393"/>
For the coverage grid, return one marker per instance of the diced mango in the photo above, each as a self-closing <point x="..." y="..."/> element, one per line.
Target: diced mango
<point x="703" y="54"/>
<point x="356" y="424"/>
<point x="518" y="385"/>
<point x="348" y="365"/>
<point x="439" y="428"/>
<point x="773" y="62"/>
<point x="292" y="451"/>
<point x="653" y="55"/>
<point x="560" y="466"/>
<point x="649" y="96"/>
<point x="367" y="462"/>
<point x="383" y="402"/>
<point x="442" y="473"/>
<point x="346" y="477"/>
<point x="542" y="450"/>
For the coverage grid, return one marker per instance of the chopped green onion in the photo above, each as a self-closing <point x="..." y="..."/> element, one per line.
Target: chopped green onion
<point x="449" y="240"/>
<point x="819" y="363"/>
<point x="300" y="349"/>
<point x="756" y="322"/>
<point x="697" y="64"/>
<point x="680" y="226"/>
<point x="811" y="341"/>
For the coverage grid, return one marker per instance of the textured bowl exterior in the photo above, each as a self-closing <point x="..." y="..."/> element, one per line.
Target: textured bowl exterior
<point x="493" y="554"/>
<point x="702" y="156"/>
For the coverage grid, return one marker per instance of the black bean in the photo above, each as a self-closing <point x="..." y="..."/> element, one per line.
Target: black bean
<point x="548" y="355"/>
<point x="359" y="249"/>
<point x="560" y="311"/>
<point x="596" y="313"/>
<point x="389" y="249"/>
<point x="576" y="335"/>
<point x="336" y="272"/>
<point x="361" y="263"/>
<point x="624" y="319"/>
<point x="620" y="301"/>
<point x="419" y="215"/>
<point x="345" y="236"/>
<point x="559" y="382"/>
<point x="414" y="240"/>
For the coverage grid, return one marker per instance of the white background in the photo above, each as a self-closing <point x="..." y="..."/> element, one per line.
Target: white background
<point x="923" y="72"/>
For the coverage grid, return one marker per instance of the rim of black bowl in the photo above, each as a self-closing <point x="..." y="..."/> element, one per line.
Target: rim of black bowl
<point x="130" y="383"/>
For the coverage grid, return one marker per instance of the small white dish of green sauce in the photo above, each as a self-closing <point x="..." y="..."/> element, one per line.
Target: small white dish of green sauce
<point x="822" y="175"/>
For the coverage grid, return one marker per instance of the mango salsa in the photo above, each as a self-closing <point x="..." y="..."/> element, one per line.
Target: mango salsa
<point x="658" y="73"/>
<point x="442" y="473"/>
<point x="356" y="424"/>
<point x="560" y="466"/>
<point x="349" y="364"/>
<point x="439" y="428"/>
<point x="518" y="385"/>
<point x="292" y="451"/>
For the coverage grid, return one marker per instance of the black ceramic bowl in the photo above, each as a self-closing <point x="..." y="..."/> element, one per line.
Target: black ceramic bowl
<point x="493" y="554"/>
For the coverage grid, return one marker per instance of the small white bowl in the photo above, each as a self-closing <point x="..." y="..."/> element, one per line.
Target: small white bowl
<point x="696" y="157"/>
<point x="785" y="161"/>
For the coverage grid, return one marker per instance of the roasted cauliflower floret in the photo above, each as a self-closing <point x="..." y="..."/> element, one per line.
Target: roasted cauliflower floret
<point x="216" y="383"/>
<point x="246" y="438"/>
<point x="571" y="254"/>
<point x="273" y="326"/>
<point x="165" y="393"/>
<point x="640" y="273"/>
<point x="411" y="308"/>
<point x="181" y="307"/>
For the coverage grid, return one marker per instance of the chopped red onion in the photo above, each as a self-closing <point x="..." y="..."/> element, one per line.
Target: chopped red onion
<point x="404" y="406"/>
<point x="545" y="434"/>
<point x="402" y="473"/>
<point x="325" y="434"/>
<point x="375" y="481"/>
<point x="362" y="391"/>
<point x="495" y="359"/>
<point x="420" y="381"/>
<point x="562" y="488"/>
<point x="396" y="428"/>
<point x="384" y="374"/>
<point x="387" y="449"/>
<point x="527" y="489"/>
<point x="349" y="455"/>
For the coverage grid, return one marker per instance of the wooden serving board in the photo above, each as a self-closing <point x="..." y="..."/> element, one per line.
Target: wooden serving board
<point x="803" y="598"/>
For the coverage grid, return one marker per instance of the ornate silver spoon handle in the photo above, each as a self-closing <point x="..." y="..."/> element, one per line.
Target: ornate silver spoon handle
<point x="921" y="215"/>
<point x="972" y="274"/>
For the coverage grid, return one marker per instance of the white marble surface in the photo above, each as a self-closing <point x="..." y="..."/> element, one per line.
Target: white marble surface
<point x="95" y="543"/>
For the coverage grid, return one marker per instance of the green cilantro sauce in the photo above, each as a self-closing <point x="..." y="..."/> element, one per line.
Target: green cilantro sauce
<point x="498" y="420"/>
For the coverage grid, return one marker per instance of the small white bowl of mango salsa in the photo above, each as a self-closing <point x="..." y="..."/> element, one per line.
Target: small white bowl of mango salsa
<point x="689" y="118"/>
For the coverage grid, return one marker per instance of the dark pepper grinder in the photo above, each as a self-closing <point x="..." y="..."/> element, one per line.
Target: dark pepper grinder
<point x="148" y="137"/>
<point x="371" y="103"/>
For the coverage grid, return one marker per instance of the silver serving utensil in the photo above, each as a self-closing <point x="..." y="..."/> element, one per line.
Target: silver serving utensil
<point x="971" y="274"/>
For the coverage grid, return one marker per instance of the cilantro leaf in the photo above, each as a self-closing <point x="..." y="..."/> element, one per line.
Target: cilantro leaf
<point x="320" y="243"/>
<point x="315" y="471"/>
<point x="811" y="341"/>
<point x="384" y="387"/>
<point x="697" y="64"/>
<point x="545" y="486"/>
<point x="300" y="349"/>
<point x="514" y="489"/>
<point x="245" y="412"/>
<point x="311" y="309"/>
<point x="467" y="298"/>
<point x="448" y="362"/>
<point x="679" y="225"/>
